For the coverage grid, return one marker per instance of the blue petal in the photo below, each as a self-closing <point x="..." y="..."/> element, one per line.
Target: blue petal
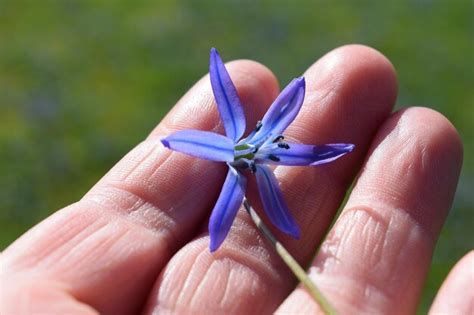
<point x="228" y="102"/>
<point x="273" y="202"/>
<point x="202" y="144"/>
<point x="226" y="208"/>
<point x="302" y="154"/>
<point x="282" y="112"/>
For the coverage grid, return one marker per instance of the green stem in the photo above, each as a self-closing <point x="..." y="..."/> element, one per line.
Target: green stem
<point x="297" y="270"/>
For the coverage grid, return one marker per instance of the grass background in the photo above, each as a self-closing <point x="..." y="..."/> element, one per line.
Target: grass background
<point x="81" y="82"/>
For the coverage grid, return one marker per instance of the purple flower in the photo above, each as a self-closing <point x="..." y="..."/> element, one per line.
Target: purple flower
<point x="264" y="145"/>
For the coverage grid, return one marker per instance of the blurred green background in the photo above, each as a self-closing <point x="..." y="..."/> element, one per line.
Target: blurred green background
<point x="81" y="82"/>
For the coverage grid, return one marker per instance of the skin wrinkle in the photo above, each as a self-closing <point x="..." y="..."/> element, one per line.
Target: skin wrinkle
<point x="150" y="148"/>
<point x="237" y="274"/>
<point x="232" y="254"/>
<point x="194" y="280"/>
<point x="157" y="166"/>
<point x="147" y="153"/>
<point x="146" y="214"/>
<point x="172" y="290"/>
<point x="102" y="245"/>
<point x="168" y="163"/>
<point x="45" y="256"/>
<point x="253" y="290"/>
<point x="120" y="226"/>
<point x="212" y="282"/>
<point x="141" y="213"/>
<point x="227" y="289"/>
<point x="201" y="288"/>
<point x="116" y="198"/>
<point x="321" y="95"/>
<point x="46" y="260"/>
<point x="251" y="258"/>
<point x="63" y="258"/>
<point x="373" y="224"/>
<point x="228" y="297"/>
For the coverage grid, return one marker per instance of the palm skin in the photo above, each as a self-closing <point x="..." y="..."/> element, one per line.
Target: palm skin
<point x="137" y="241"/>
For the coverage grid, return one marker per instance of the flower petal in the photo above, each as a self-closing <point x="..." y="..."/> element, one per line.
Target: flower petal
<point x="228" y="102"/>
<point x="302" y="154"/>
<point x="226" y="208"/>
<point x="282" y="112"/>
<point x="202" y="144"/>
<point x="273" y="202"/>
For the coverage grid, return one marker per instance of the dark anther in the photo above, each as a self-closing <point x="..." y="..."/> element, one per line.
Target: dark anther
<point x="283" y="145"/>
<point x="251" y="165"/>
<point x="253" y="168"/>
<point x="259" y="125"/>
<point x="274" y="158"/>
<point x="254" y="150"/>
<point x="279" y="138"/>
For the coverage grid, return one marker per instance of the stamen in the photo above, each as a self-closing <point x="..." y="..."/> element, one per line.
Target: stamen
<point x="274" y="158"/>
<point x="259" y="125"/>
<point x="252" y="166"/>
<point x="278" y="138"/>
<point x="283" y="145"/>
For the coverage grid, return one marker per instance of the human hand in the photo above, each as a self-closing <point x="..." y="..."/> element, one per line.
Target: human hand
<point x="138" y="239"/>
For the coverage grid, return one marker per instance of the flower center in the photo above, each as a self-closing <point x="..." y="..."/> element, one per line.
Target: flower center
<point x="246" y="155"/>
<point x="244" y="151"/>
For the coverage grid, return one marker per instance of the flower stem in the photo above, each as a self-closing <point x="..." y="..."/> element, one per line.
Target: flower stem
<point x="297" y="270"/>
